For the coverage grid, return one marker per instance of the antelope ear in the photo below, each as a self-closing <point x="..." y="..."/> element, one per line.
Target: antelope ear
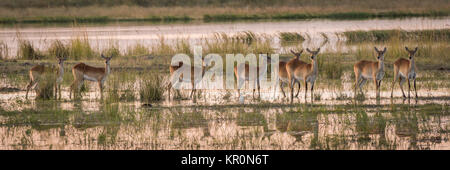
<point x="416" y="49"/>
<point x="384" y="50"/>
<point x="318" y="50"/>
<point x="307" y="49"/>
<point x="301" y="51"/>
<point x="376" y="49"/>
<point x="101" y="55"/>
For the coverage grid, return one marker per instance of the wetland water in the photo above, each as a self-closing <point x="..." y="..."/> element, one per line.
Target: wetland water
<point x="217" y="119"/>
<point x="332" y="121"/>
<point x="128" y="34"/>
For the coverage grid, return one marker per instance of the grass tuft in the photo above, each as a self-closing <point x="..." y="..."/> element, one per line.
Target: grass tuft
<point x="291" y="38"/>
<point x="402" y="35"/>
<point x="58" y="49"/>
<point x="80" y="48"/>
<point x="151" y="89"/>
<point x="27" y="51"/>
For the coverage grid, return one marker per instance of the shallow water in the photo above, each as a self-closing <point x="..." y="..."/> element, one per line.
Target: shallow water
<point x="54" y="125"/>
<point x="126" y="35"/>
<point x="335" y="120"/>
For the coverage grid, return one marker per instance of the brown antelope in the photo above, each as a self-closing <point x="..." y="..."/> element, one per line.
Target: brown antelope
<point x="83" y="72"/>
<point x="241" y="77"/>
<point x="194" y="80"/>
<point x="38" y="71"/>
<point x="405" y="69"/>
<point x="283" y="77"/>
<point x="370" y="70"/>
<point x="299" y="70"/>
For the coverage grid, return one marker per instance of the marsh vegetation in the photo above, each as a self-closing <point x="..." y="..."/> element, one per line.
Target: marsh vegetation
<point x="61" y="11"/>
<point x="135" y="112"/>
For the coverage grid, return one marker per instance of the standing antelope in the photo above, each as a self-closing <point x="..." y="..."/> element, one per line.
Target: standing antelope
<point x="83" y="72"/>
<point x="405" y="69"/>
<point x="242" y="76"/>
<point x="194" y="80"/>
<point x="283" y="74"/>
<point x="299" y="70"/>
<point x="38" y="71"/>
<point x="370" y="70"/>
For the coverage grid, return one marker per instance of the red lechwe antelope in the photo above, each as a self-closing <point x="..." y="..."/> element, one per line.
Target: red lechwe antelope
<point x="370" y="70"/>
<point x="38" y="71"/>
<point x="405" y="69"/>
<point x="83" y="72"/>
<point x="299" y="70"/>
<point x="194" y="80"/>
<point x="283" y="74"/>
<point x="242" y="76"/>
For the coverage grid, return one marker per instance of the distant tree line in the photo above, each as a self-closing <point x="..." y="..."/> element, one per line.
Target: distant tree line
<point x="373" y="4"/>
<point x="143" y="3"/>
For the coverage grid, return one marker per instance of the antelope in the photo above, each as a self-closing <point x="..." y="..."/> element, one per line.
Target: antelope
<point x="38" y="71"/>
<point x="283" y="74"/>
<point x="245" y="77"/>
<point x="405" y="69"/>
<point x="83" y="72"/>
<point x="299" y="70"/>
<point x="194" y="80"/>
<point x="370" y="70"/>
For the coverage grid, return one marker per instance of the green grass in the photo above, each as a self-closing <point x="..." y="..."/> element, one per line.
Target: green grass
<point x="63" y="11"/>
<point x="137" y="50"/>
<point x="80" y="48"/>
<point x="46" y="88"/>
<point x="58" y="49"/>
<point x="338" y="15"/>
<point x="291" y="37"/>
<point x="91" y="19"/>
<point x="328" y="67"/>
<point x="27" y="51"/>
<point x="151" y="88"/>
<point x="401" y="35"/>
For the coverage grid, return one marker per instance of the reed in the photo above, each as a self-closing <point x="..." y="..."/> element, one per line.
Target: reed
<point x="58" y="49"/>
<point x="45" y="90"/>
<point x="27" y="51"/>
<point x="137" y="50"/>
<point x="402" y="35"/>
<point x="80" y="48"/>
<point x="151" y="88"/>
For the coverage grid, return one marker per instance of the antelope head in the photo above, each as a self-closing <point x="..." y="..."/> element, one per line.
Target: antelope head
<point x="313" y="53"/>
<point x="61" y="60"/>
<point x="411" y="52"/>
<point x="107" y="59"/>
<point x="380" y="53"/>
<point x="297" y="54"/>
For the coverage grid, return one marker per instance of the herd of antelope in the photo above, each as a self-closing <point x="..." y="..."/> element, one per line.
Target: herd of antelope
<point x="290" y="72"/>
<point x="80" y="73"/>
